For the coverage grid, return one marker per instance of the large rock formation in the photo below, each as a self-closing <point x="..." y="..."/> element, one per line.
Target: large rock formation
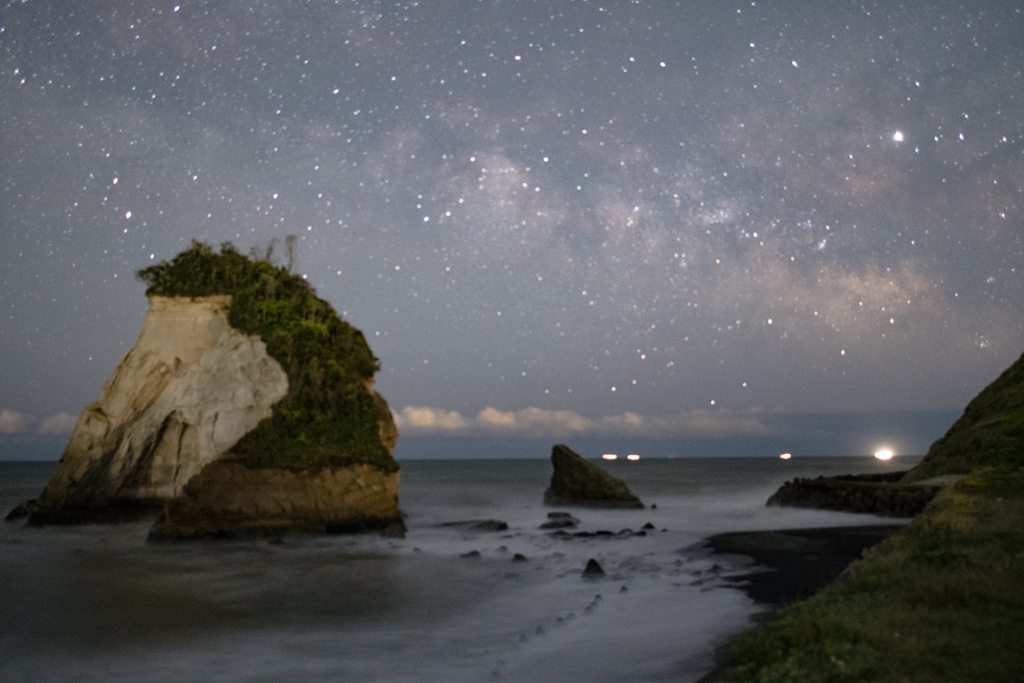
<point x="246" y="405"/>
<point x="576" y="481"/>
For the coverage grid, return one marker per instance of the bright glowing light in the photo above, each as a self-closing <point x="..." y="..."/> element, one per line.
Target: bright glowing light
<point x="884" y="454"/>
<point x="785" y="456"/>
<point x="609" y="456"/>
<point x="633" y="457"/>
<point x="897" y="136"/>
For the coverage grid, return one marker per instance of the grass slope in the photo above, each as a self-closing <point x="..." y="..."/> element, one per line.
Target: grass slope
<point x="943" y="600"/>
<point x="329" y="416"/>
<point x="990" y="432"/>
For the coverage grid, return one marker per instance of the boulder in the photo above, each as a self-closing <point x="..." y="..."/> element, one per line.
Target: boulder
<point x="560" y="520"/>
<point x="593" y="570"/>
<point x="576" y="481"/>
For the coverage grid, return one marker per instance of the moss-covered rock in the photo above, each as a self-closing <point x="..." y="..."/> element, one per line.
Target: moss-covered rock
<point x="330" y="415"/>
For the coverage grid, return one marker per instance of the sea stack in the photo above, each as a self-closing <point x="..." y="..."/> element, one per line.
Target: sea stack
<point x="576" y="481"/>
<point x="245" y="406"/>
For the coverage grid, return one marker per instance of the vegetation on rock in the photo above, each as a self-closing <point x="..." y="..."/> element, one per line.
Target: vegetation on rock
<point x="330" y="415"/>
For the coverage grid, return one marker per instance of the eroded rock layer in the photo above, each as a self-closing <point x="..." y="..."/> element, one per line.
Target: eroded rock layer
<point x="228" y="499"/>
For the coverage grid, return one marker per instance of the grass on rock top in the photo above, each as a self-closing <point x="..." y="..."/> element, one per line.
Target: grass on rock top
<point x="329" y="415"/>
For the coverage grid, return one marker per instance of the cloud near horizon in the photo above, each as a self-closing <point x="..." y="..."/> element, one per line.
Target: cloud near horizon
<point x="59" y="424"/>
<point x="13" y="422"/>
<point x="541" y="422"/>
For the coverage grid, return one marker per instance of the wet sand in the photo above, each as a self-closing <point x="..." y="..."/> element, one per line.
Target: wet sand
<point x="789" y="565"/>
<point x="792" y="564"/>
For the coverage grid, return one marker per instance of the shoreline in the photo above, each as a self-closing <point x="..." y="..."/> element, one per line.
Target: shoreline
<point x="787" y="565"/>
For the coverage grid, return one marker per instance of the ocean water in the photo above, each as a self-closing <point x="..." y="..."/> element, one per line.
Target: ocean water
<point x="95" y="603"/>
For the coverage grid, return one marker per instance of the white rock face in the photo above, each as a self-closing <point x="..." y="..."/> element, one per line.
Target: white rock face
<point x="188" y="390"/>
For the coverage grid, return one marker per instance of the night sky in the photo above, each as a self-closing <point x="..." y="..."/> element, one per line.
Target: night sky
<point x="725" y="227"/>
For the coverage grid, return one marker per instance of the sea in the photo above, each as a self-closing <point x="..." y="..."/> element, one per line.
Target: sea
<point x="100" y="603"/>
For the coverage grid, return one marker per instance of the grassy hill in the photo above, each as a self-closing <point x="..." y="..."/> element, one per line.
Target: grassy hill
<point x="990" y="432"/>
<point x="329" y="416"/>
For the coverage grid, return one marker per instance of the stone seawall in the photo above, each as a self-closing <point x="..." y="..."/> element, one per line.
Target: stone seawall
<point x="869" y="494"/>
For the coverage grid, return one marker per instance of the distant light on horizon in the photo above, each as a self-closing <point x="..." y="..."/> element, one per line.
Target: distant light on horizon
<point x="884" y="454"/>
<point x="609" y="456"/>
<point x="632" y="457"/>
<point x="785" y="456"/>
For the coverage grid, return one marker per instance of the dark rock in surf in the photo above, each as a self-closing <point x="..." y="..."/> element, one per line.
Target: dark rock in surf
<point x="560" y="520"/>
<point x="576" y="481"/>
<point x="21" y="511"/>
<point x="477" y="525"/>
<point x="394" y="530"/>
<point x="593" y="570"/>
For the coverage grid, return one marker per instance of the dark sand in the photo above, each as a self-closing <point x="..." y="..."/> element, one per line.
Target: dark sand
<point x="792" y="564"/>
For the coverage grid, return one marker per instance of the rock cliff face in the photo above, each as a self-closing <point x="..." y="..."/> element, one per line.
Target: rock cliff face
<point x="187" y="391"/>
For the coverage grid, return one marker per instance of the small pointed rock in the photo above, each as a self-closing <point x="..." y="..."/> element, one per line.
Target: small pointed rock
<point x="593" y="570"/>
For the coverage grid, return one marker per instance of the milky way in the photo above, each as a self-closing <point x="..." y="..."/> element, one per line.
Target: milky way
<point x="548" y="218"/>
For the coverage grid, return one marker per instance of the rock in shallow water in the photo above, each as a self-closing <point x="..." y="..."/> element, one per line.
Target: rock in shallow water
<point x="593" y="570"/>
<point x="576" y="481"/>
<point x="560" y="520"/>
